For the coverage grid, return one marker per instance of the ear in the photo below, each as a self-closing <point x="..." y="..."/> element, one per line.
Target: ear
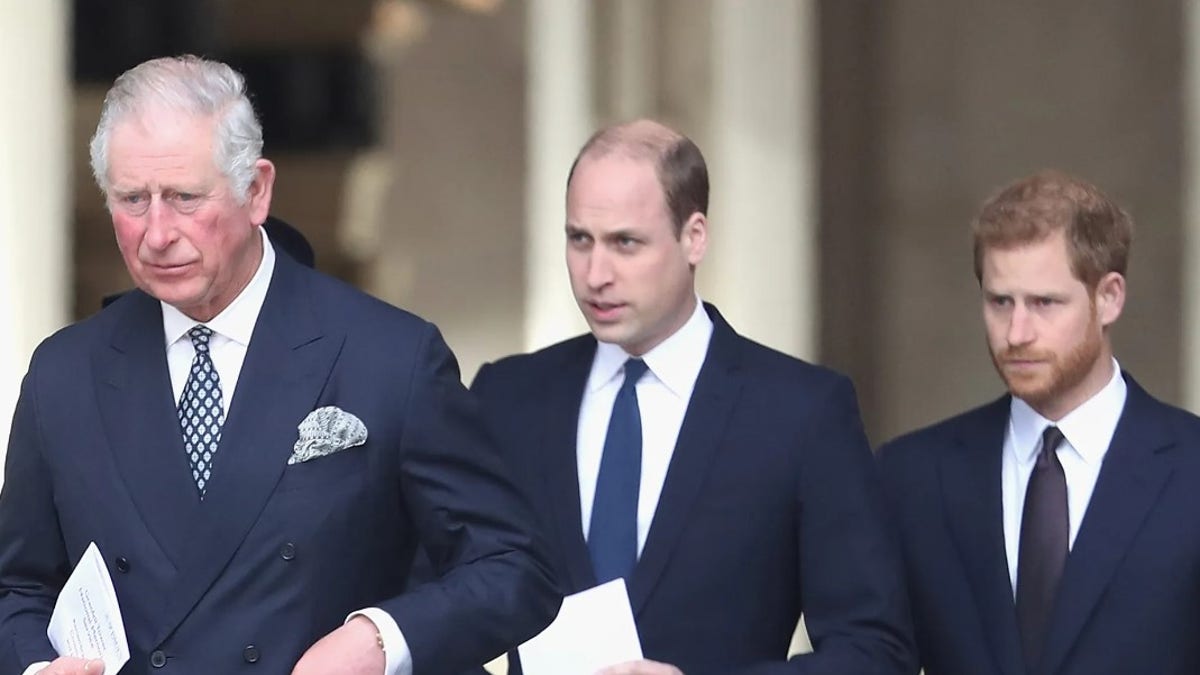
<point x="694" y="237"/>
<point x="1109" y="298"/>
<point x="258" y="199"/>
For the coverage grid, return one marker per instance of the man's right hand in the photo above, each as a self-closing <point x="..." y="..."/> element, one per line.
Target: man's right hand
<point x="69" y="665"/>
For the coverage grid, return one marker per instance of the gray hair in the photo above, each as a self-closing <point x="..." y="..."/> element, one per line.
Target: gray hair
<point x="193" y="86"/>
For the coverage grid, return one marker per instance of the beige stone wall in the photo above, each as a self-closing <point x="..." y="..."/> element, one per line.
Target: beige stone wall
<point x="949" y="99"/>
<point x="451" y="248"/>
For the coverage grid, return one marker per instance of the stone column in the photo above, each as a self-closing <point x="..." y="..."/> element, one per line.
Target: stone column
<point x="559" y="118"/>
<point x="34" y="177"/>
<point x="761" y="270"/>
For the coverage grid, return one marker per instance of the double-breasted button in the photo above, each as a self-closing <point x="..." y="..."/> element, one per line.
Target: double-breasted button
<point x="250" y="654"/>
<point x="287" y="551"/>
<point x="122" y="564"/>
<point x="158" y="659"/>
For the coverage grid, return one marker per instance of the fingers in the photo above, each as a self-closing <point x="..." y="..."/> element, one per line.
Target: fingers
<point x="71" y="666"/>
<point x="643" y="667"/>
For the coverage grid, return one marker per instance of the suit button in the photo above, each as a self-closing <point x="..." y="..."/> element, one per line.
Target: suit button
<point x="122" y="565"/>
<point x="158" y="659"/>
<point x="250" y="653"/>
<point x="287" y="551"/>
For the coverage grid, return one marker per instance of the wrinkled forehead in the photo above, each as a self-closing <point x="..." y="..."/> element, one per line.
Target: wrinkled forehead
<point x="145" y="148"/>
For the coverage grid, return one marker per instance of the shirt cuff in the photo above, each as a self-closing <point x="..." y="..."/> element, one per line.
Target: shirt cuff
<point x="395" y="648"/>
<point x="36" y="668"/>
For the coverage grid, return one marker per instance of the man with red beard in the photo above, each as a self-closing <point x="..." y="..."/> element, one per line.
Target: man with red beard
<point x="1053" y="531"/>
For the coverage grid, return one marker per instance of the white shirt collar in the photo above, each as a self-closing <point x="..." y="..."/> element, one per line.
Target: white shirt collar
<point x="1088" y="428"/>
<point x="676" y="361"/>
<point x="236" y="321"/>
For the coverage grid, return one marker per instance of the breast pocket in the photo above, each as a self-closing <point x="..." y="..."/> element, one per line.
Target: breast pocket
<point x="325" y="472"/>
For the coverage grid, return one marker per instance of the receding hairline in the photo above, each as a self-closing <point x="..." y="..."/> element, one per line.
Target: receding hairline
<point x="641" y="140"/>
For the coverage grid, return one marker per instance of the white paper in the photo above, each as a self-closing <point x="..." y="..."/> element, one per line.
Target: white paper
<point x="86" y="622"/>
<point x="593" y="629"/>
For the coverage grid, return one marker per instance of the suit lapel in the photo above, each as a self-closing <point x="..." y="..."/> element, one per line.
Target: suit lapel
<point x="559" y="456"/>
<point x="286" y="367"/>
<point x="971" y="490"/>
<point x="133" y="390"/>
<point x="1131" y="479"/>
<point x="717" y="389"/>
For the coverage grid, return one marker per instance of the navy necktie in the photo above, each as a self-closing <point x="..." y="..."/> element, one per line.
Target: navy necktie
<point x="1042" y="553"/>
<point x="201" y="411"/>
<point x="612" y="534"/>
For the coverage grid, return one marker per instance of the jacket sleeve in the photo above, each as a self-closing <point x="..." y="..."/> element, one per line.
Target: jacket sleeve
<point x="33" y="559"/>
<point x="851" y="580"/>
<point x="496" y="588"/>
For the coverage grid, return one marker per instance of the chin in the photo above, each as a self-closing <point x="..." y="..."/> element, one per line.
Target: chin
<point x="1032" y="391"/>
<point x="612" y="334"/>
<point x="176" y="297"/>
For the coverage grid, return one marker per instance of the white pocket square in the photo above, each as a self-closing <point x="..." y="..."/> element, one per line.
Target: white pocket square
<point x="325" y="431"/>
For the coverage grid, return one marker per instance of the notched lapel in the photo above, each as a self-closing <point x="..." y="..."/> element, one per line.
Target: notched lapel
<point x="133" y="392"/>
<point x="1135" y="470"/>
<point x="970" y="476"/>
<point x="717" y="390"/>
<point x="559" y="456"/>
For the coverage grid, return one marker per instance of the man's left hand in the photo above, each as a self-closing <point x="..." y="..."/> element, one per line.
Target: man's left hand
<point x="641" y="668"/>
<point x="352" y="649"/>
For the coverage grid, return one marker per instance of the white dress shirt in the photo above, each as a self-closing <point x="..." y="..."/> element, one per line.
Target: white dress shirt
<point x="663" y="394"/>
<point x="232" y="329"/>
<point x="1087" y="430"/>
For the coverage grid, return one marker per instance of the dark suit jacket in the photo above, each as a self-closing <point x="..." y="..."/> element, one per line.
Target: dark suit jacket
<point x="770" y="507"/>
<point x="1130" y="596"/>
<point x="277" y="554"/>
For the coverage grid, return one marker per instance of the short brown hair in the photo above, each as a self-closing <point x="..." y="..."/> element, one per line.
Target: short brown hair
<point x="679" y="164"/>
<point x="1098" y="232"/>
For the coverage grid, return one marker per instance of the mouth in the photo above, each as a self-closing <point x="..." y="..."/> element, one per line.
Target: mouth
<point x="168" y="269"/>
<point x="1022" y="364"/>
<point x="604" y="311"/>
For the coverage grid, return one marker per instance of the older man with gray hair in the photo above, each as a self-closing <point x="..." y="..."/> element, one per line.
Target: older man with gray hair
<point x="255" y="448"/>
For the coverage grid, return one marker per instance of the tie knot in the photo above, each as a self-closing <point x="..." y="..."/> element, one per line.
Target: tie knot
<point x="1051" y="438"/>
<point x="200" y="334"/>
<point x="634" y="369"/>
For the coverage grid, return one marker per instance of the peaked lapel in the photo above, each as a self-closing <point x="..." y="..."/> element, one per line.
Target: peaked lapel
<point x="971" y="492"/>
<point x="1135" y="469"/>
<point x="559" y="457"/>
<point x="133" y="391"/>
<point x="717" y="389"/>
<point x="287" y="364"/>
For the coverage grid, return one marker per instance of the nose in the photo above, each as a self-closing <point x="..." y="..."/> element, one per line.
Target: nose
<point x="160" y="228"/>
<point x="1020" y="327"/>
<point x="599" y="270"/>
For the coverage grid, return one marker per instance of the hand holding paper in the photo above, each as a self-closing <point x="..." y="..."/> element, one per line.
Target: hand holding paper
<point x="593" y="629"/>
<point x="86" y="622"/>
<point x="643" y="667"/>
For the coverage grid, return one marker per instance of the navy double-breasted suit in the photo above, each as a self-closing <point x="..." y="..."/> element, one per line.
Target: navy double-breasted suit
<point x="276" y="555"/>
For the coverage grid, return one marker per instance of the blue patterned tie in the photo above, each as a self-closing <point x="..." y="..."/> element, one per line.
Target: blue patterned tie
<point x="612" y="534"/>
<point x="201" y="412"/>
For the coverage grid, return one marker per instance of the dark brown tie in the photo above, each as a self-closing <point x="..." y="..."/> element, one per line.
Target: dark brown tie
<point x="1045" y="528"/>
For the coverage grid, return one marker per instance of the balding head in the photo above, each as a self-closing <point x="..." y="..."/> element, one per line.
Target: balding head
<point x="677" y="161"/>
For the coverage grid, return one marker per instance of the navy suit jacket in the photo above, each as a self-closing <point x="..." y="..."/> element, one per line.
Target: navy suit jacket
<point x="770" y="507"/>
<point x="276" y="555"/>
<point x="1129" y="601"/>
